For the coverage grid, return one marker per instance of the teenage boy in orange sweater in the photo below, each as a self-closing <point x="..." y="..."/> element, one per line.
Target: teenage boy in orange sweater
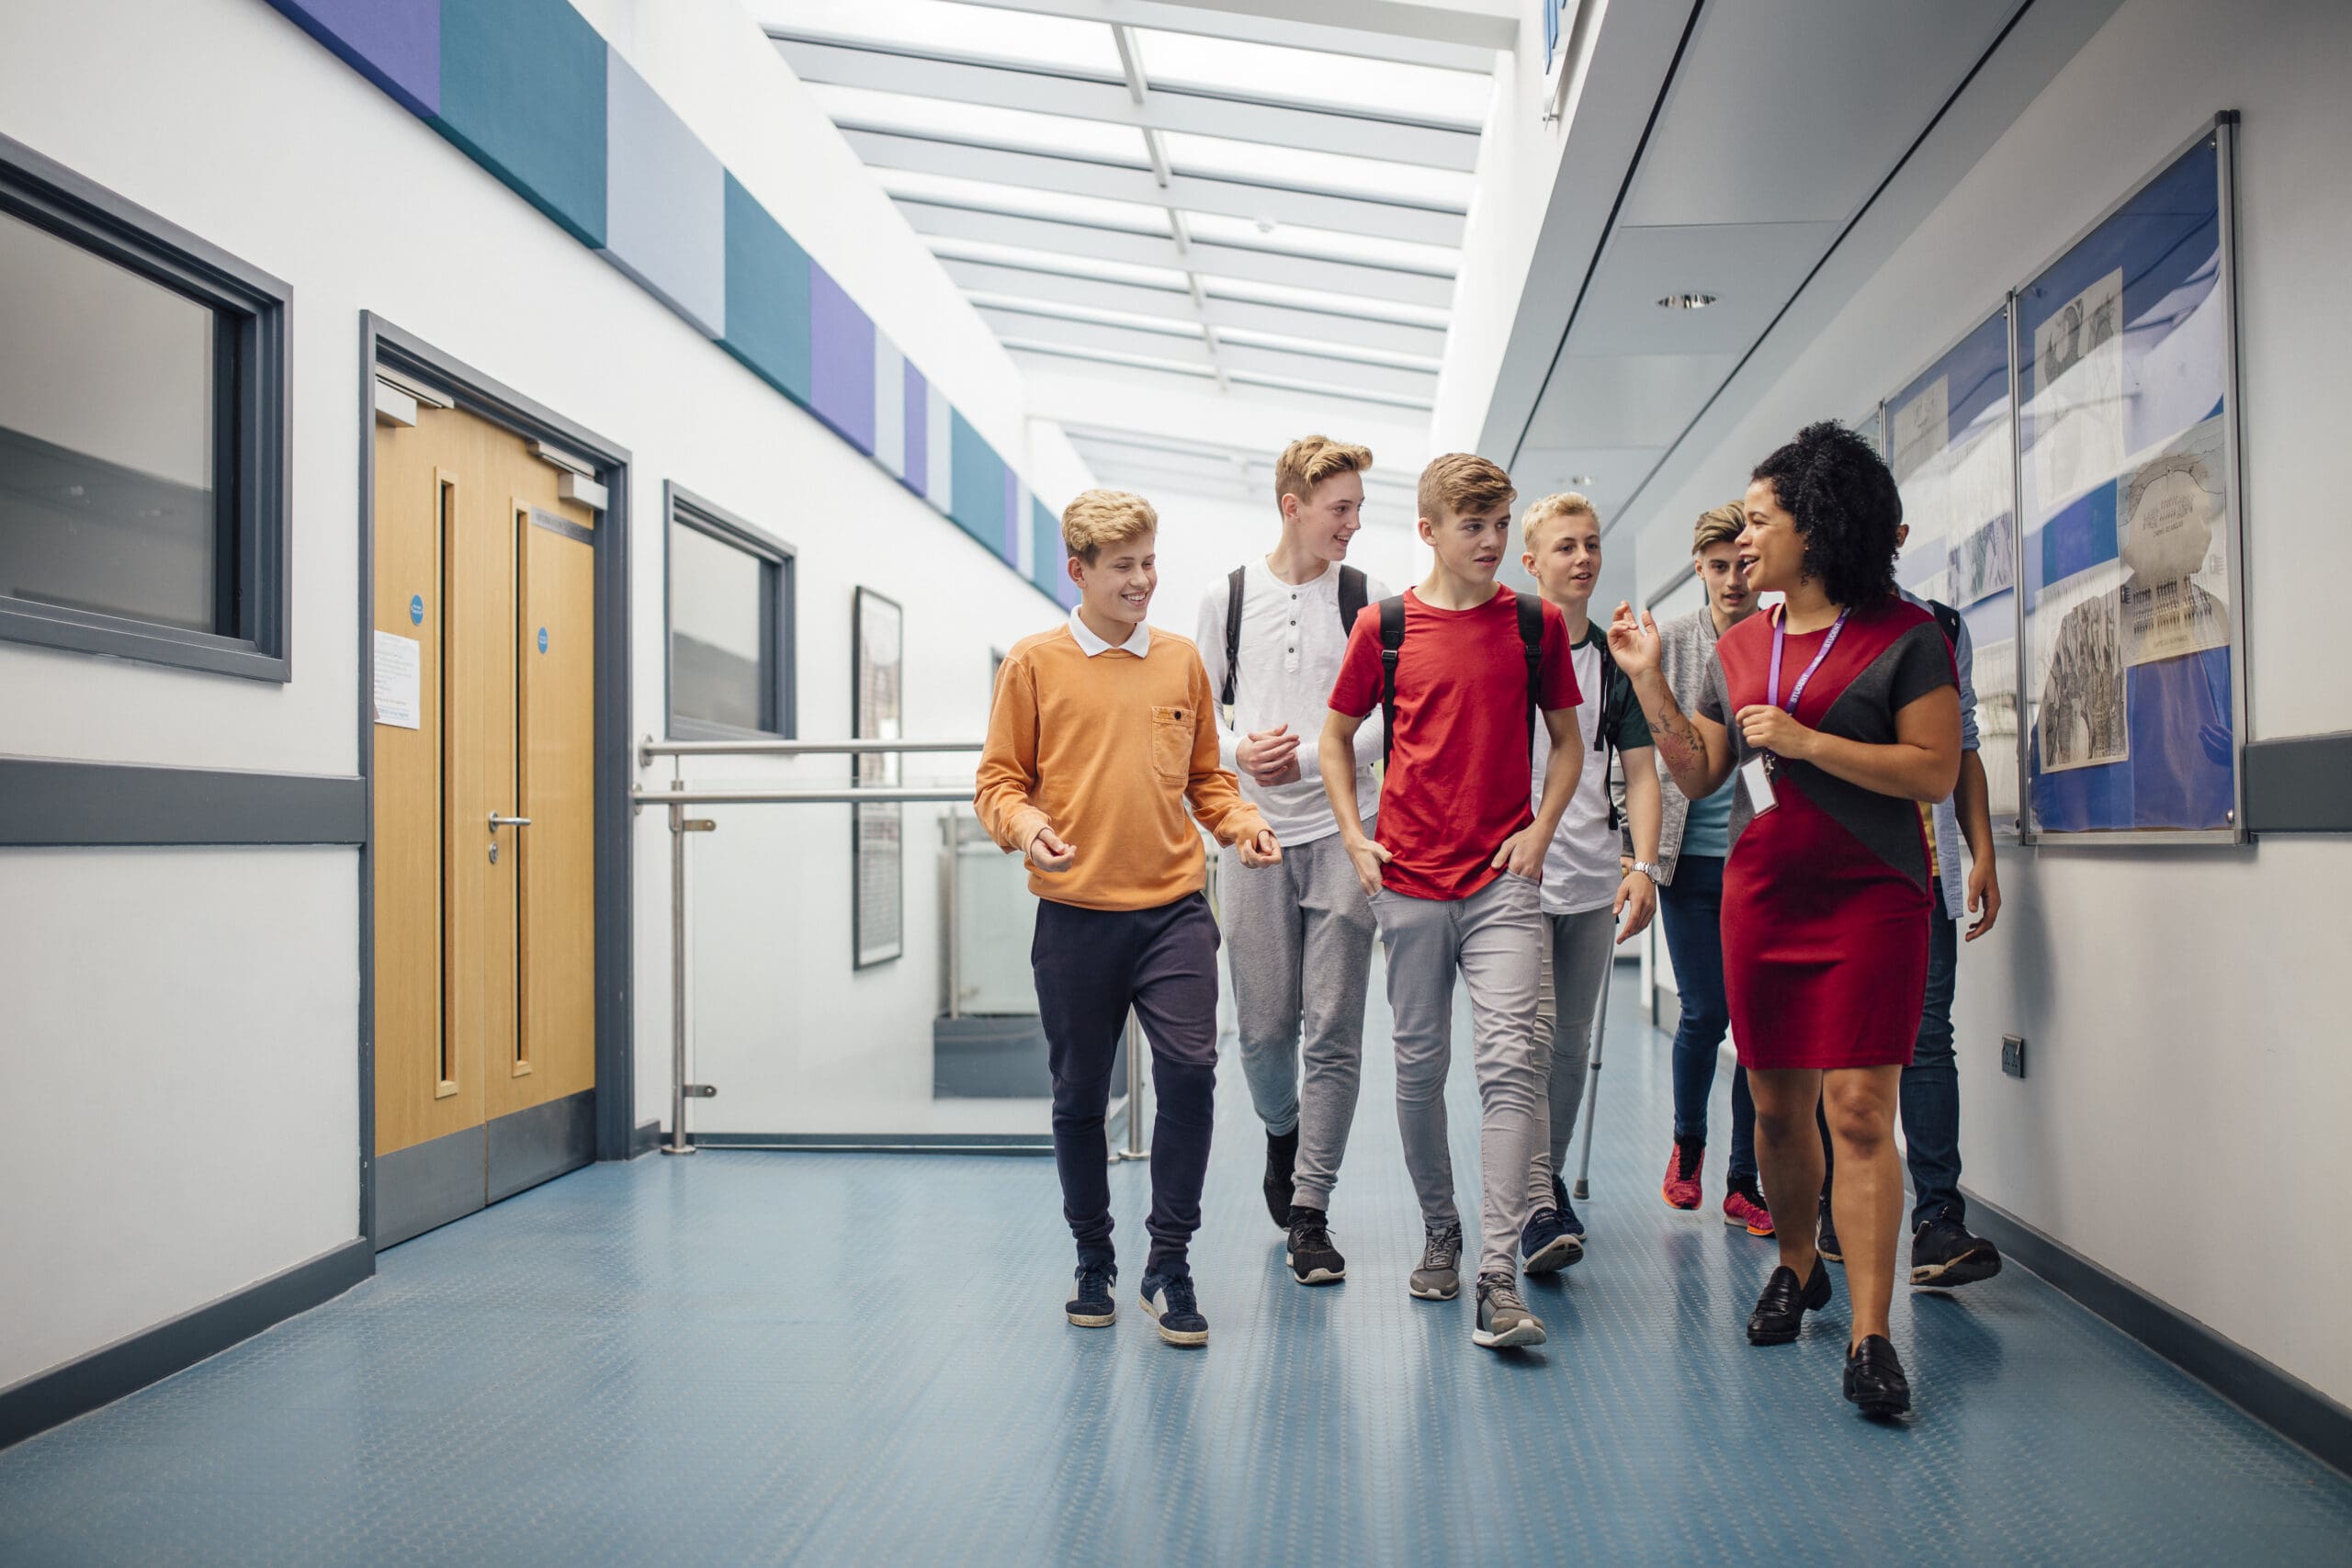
<point x="1101" y="734"/>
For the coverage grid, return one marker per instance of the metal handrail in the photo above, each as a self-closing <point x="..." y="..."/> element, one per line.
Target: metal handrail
<point x="677" y="797"/>
<point x="648" y="748"/>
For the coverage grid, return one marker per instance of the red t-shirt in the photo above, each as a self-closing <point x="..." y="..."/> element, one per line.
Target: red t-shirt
<point x="1457" y="763"/>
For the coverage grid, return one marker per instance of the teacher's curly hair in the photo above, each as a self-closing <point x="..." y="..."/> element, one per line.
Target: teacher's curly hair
<point x="1846" y="507"/>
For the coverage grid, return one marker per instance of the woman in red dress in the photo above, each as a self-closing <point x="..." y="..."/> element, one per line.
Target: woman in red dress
<point x="1839" y="711"/>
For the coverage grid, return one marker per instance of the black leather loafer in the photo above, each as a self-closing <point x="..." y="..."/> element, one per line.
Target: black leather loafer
<point x="1779" y="1311"/>
<point x="1874" y="1379"/>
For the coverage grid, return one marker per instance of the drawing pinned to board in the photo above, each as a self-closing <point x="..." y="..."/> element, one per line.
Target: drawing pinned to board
<point x="1994" y="680"/>
<point x="2078" y="718"/>
<point x="1983" y="561"/>
<point x="2078" y="357"/>
<point x="2168" y="517"/>
<point x="1922" y="429"/>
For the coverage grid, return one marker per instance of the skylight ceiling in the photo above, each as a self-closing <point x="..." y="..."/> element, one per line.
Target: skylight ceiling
<point x="1167" y="192"/>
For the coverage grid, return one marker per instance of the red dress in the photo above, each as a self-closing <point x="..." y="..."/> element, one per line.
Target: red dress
<point x="1826" y="900"/>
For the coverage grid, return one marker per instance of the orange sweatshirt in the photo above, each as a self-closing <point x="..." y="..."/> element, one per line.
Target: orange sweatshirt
<point x="1106" y="751"/>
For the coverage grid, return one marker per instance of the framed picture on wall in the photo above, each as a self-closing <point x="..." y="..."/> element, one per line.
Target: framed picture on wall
<point x="877" y="830"/>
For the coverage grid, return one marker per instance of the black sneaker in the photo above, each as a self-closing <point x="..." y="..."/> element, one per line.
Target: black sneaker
<point x="1546" y="1246"/>
<point x="1312" y="1257"/>
<point x="1568" y="1220"/>
<point x="1282" y="1166"/>
<point x="1827" y="1242"/>
<point x="1779" y="1311"/>
<point x="1944" y="1254"/>
<point x="1169" y="1299"/>
<point x="1874" y="1379"/>
<point x="1089" y="1305"/>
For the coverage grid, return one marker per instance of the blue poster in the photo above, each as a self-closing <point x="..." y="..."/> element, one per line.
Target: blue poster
<point x="1949" y="444"/>
<point x="2128" y="560"/>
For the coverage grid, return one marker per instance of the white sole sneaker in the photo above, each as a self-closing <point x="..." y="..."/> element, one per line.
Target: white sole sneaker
<point x="1562" y="1251"/>
<point x="1526" y="1333"/>
<point x="1174" y="1336"/>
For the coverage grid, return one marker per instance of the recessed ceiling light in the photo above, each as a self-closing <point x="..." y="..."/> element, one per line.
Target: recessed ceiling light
<point x="1578" y="480"/>
<point x="1687" y="301"/>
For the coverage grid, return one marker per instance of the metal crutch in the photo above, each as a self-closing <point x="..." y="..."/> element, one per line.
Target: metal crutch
<point x="1592" y="1084"/>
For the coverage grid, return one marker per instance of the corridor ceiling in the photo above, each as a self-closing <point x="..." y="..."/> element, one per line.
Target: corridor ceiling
<point x="1202" y="227"/>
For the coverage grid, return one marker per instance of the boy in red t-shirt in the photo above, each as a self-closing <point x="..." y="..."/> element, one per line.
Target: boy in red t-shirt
<point x="1454" y="875"/>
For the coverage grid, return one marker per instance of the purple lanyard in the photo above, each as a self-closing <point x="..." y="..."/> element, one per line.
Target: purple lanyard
<point x="1779" y="631"/>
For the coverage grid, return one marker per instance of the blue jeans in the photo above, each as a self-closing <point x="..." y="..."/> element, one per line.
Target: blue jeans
<point x="1930" y="1092"/>
<point x="1930" y="1088"/>
<point x="1691" y="907"/>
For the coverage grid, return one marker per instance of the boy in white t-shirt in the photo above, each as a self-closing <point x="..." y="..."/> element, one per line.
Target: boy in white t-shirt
<point x="1298" y="942"/>
<point x="1588" y="883"/>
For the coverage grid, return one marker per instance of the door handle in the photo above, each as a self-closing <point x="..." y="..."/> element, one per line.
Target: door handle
<point x="496" y="821"/>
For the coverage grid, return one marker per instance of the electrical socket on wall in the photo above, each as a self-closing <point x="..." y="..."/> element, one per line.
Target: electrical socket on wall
<point x="2013" y="1054"/>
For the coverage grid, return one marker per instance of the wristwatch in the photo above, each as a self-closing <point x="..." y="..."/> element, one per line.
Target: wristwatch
<point x="1651" y="869"/>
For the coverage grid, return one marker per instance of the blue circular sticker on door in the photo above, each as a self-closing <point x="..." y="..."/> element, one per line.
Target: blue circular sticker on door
<point x="543" y="639"/>
<point x="416" y="609"/>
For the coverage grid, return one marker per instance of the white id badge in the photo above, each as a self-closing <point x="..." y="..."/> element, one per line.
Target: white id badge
<point x="1759" y="779"/>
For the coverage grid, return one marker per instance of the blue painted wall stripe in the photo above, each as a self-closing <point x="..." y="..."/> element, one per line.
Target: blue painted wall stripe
<point x="523" y="92"/>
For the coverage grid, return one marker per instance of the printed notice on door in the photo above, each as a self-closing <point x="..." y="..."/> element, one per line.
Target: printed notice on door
<point x="399" y="666"/>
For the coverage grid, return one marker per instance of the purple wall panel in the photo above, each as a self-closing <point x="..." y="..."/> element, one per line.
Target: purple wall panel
<point x="394" y="43"/>
<point x="841" y="360"/>
<point x="918" y="469"/>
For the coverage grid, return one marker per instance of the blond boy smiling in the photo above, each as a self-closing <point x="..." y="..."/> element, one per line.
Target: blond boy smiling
<point x="1100" y="737"/>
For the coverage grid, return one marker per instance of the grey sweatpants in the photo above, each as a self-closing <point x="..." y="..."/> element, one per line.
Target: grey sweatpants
<point x="1495" y="938"/>
<point x="1576" y="965"/>
<point x="1298" y="944"/>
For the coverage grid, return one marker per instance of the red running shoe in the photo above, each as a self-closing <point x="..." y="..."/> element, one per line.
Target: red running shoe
<point x="1743" y="1206"/>
<point x="1682" y="1166"/>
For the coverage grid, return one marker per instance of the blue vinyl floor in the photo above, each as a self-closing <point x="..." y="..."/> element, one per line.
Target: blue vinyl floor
<point x="754" y="1357"/>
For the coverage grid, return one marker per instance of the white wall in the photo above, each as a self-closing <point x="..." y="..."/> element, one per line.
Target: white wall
<point x="2183" y="1122"/>
<point x="243" y="964"/>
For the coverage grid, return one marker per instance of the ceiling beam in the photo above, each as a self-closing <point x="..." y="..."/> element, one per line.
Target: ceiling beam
<point x="1491" y="24"/>
<point x="1082" y="96"/>
<point x="1037" y="327"/>
<point x="1162" y="15"/>
<point x="1047" y="291"/>
<point x="939" y="220"/>
<point x="1071" y="391"/>
<point x="883" y="148"/>
<point x="1299" y="365"/>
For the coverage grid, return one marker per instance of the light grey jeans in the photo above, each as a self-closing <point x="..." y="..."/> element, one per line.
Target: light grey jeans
<point x="1298" y="944"/>
<point x="1576" y="965"/>
<point x="1495" y="938"/>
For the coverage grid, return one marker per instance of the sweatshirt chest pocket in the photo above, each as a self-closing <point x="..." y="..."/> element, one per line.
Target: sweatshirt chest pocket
<point x="1172" y="743"/>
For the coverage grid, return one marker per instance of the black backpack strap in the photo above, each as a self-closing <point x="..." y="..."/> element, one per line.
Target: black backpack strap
<point x="1353" y="592"/>
<point x="1604" y="729"/>
<point x="1530" y="638"/>
<point x="1947" y="618"/>
<point x="1232" y="631"/>
<point x="1391" y="639"/>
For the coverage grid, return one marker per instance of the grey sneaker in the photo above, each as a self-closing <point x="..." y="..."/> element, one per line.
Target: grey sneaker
<point x="1504" y="1322"/>
<point x="1438" y="1279"/>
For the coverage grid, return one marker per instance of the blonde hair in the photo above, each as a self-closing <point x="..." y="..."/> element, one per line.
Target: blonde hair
<point x="1567" y="503"/>
<point x="1463" y="482"/>
<point x="1719" y="526"/>
<point x="1310" y="460"/>
<point x="1099" y="517"/>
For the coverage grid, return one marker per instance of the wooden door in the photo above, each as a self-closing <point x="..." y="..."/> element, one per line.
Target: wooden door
<point x="484" y="822"/>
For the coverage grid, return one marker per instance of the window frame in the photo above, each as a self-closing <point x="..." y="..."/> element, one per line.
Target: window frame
<point x="251" y="453"/>
<point x="779" y="584"/>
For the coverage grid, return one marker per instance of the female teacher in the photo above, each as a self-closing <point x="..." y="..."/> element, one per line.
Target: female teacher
<point x="1840" y="712"/>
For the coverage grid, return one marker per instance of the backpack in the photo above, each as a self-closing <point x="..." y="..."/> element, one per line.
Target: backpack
<point x="1947" y="618"/>
<point x="1352" y="597"/>
<point x="1392" y="642"/>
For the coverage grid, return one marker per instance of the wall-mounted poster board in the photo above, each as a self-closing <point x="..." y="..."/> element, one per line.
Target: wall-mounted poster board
<point x="2130" y="606"/>
<point x="877" y="830"/>
<point x="1951" y="447"/>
